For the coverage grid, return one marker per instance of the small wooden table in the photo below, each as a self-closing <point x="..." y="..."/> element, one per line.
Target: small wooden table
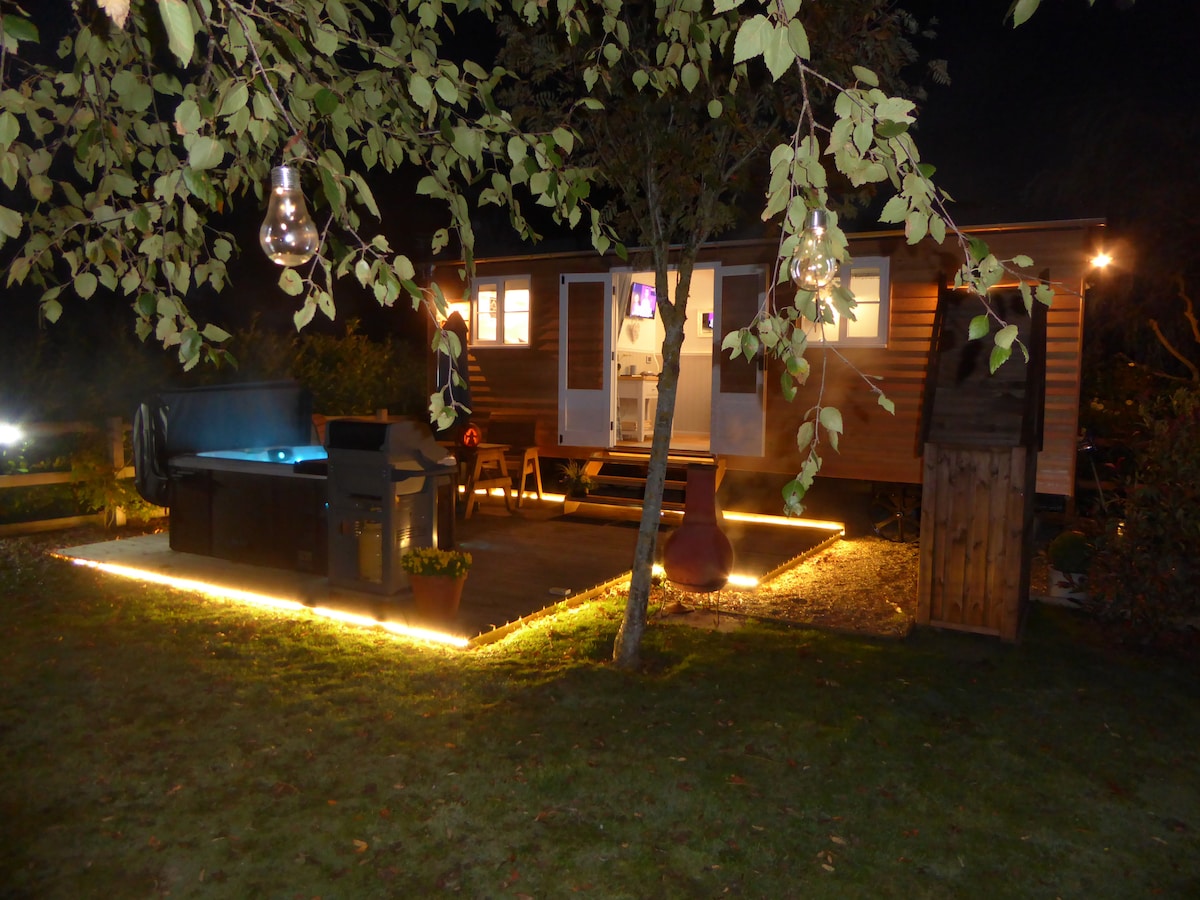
<point x="643" y="390"/>
<point x="487" y="470"/>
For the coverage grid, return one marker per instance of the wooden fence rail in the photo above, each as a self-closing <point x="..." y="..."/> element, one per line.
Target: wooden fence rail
<point x="115" y="429"/>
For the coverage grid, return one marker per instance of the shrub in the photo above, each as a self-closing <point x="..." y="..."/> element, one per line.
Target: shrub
<point x="1144" y="574"/>
<point x="1070" y="552"/>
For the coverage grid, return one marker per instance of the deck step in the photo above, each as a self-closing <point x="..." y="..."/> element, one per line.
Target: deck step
<point x="620" y="482"/>
<point x="633" y="481"/>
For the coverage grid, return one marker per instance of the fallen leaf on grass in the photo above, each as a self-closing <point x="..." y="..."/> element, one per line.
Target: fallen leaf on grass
<point x="360" y="846"/>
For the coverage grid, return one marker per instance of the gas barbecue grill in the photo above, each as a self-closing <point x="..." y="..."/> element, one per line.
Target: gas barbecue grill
<point x="383" y="480"/>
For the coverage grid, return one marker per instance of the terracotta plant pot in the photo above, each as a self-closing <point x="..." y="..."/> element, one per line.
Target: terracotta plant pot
<point x="436" y="597"/>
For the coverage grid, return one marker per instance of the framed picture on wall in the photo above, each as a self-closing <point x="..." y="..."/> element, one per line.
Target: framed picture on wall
<point x="705" y="327"/>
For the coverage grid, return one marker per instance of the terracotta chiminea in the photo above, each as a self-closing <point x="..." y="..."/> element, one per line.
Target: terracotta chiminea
<point x="697" y="556"/>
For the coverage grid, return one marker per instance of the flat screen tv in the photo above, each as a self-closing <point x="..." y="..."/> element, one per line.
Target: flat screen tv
<point x="643" y="301"/>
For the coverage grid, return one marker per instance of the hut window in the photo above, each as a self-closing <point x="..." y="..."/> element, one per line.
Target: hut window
<point x="868" y="279"/>
<point x="500" y="310"/>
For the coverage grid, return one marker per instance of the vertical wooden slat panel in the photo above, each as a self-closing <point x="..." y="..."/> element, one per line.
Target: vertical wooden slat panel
<point x="926" y="558"/>
<point x="974" y="564"/>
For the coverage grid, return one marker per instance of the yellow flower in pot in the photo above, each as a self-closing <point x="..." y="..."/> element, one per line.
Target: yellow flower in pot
<point x="437" y="578"/>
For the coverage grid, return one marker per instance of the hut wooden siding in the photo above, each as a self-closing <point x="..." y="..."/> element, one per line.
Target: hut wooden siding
<point x="522" y="382"/>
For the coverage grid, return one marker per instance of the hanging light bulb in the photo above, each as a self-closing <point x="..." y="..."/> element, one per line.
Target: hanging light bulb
<point x="288" y="236"/>
<point x="813" y="263"/>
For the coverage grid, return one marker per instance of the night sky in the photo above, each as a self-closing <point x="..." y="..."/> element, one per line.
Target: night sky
<point x="1080" y="112"/>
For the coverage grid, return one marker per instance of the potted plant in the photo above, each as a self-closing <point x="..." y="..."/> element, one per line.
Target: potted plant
<point x="578" y="481"/>
<point x="437" y="578"/>
<point x="1070" y="555"/>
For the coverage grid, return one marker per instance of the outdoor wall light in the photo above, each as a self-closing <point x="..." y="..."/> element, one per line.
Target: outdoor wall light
<point x="1101" y="260"/>
<point x="814" y="264"/>
<point x="288" y="235"/>
<point x="10" y="434"/>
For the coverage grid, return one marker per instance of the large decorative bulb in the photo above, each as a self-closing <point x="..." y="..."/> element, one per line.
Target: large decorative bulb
<point x="288" y="236"/>
<point x="814" y="264"/>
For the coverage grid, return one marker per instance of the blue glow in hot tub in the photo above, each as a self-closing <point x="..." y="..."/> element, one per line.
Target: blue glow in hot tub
<point x="283" y="455"/>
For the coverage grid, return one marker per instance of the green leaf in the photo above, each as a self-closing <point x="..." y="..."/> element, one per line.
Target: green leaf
<point x="978" y="328"/>
<point x="689" y="76"/>
<point x="1045" y="294"/>
<point x="1026" y="296"/>
<point x="365" y="196"/>
<point x="291" y="283"/>
<point x="805" y="434"/>
<point x="18" y="28"/>
<point x="831" y="419"/>
<point x="1005" y="336"/>
<point x="9" y="129"/>
<point x="134" y="94"/>
<point x="187" y="117"/>
<point x="235" y="100"/>
<point x="1022" y="10"/>
<point x="866" y="76"/>
<point x="304" y="314"/>
<point x="787" y="384"/>
<point x="886" y="403"/>
<point x="215" y="333"/>
<point x="797" y="39"/>
<point x="205" y="153"/>
<point x="10" y="222"/>
<point x="916" y="226"/>
<point x="778" y="52"/>
<point x="85" y="284"/>
<point x="1022" y="261"/>
<point x="751" y="38"/>
<point x="937" y="228"/>
<point x="715" y="108"/>
<point x="420" y="91"/>
<point x="895" y="210"/>
<point x="325" y="40"/>
<point x="403" y="268"/>
<point x="177" y="19"/>
<point x="999" y="356"/>
<point x="326" y="101"/>
<point x="979" y="249"/>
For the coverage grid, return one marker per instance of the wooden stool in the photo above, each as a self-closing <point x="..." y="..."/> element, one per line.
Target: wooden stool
<point x="490" y="470"/>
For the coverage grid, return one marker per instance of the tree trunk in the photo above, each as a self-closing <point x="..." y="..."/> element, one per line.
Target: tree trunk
<point x="627" y="650"/>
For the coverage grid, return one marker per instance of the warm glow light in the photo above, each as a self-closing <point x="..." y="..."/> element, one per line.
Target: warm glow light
<point x="277" y="603"/>
<point x="288" y="236"/>
<point x="814" y="263"/>
<point x="1101" y="259"/>
<point x="823" y="524"/>
<point x="10" y="434"/>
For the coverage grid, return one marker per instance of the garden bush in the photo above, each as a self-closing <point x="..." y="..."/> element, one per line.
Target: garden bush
<point x="1144" y="574"/>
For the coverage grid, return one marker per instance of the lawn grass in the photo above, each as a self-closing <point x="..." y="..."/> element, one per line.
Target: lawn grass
<point x="160" y="744"/>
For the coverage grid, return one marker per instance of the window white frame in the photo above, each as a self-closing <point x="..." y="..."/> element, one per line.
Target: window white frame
<point x="508" y="321"/>
<point x="869" y="279"/>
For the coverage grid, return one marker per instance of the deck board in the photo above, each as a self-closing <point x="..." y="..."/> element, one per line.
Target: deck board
<point x="524" y="562"/>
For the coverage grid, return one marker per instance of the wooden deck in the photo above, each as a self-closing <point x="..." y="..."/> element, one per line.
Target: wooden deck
<point x="524" y="563"/>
